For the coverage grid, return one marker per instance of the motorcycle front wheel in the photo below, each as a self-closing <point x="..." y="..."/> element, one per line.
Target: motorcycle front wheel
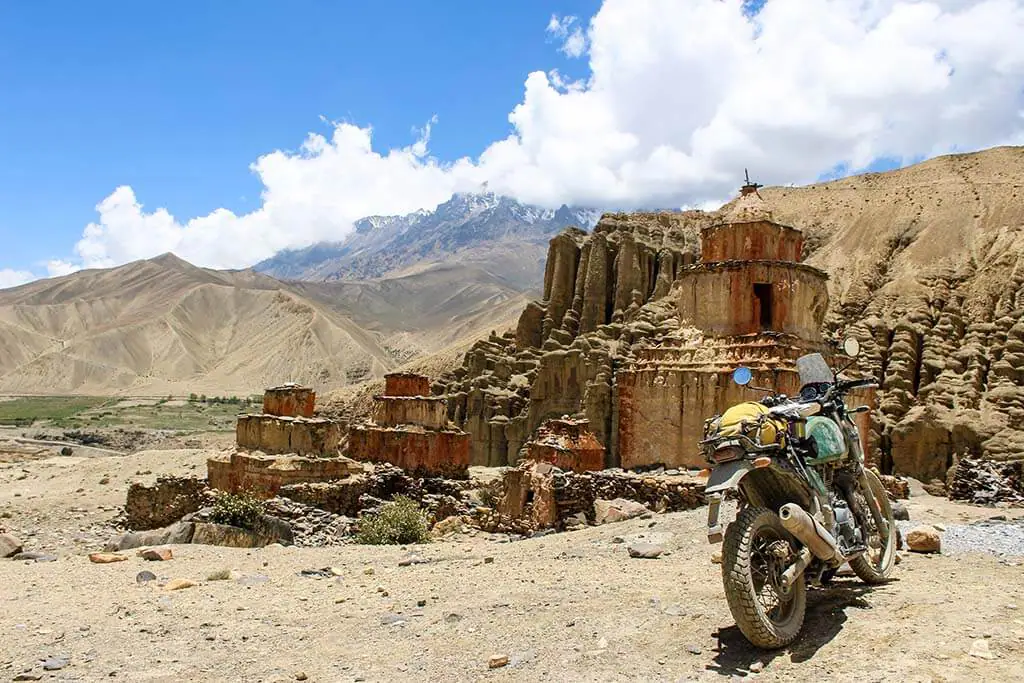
<point x="755" y="552"/>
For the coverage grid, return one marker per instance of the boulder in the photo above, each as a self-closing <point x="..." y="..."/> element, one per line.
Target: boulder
<point x="106" y="558"/>
<point x="156" y="554"/>
<point x="181" y="532"/>
<point x="618" y="510"/>
<point x="208" y="533"/>
<point x="647" y="551"/>
<point x="924" y="539"/>
<point x="9" y="545"/>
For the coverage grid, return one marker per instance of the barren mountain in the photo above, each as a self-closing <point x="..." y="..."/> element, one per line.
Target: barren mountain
<point x="497" y="234"/>
<point x="164" y="326"/>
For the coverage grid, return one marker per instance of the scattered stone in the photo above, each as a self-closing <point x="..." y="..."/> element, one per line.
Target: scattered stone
<point x="411" y="560"/>
<point x="178" y="533"/>
<point x="392" y="620"/>
<point x="301" y="676"/>
<point x="55" y="663"/>
<point x="981" y="650"/>
<point x="105" y="480"/>
<point x="716" y="557"/>
<point x="924" y="539"/>
<point x="694" y="650"/>
<point x="647" y="551"/>
<point x="368" y="571"/>
<point x="106" y="558"/>
<point x="156" y="554"/>
<point x="28" y="676"/>
<point x="452" y="618"/>
<point x="618" y="510"/>
<point x="219" y="575"/>
<point x="618" y="539"/>
<point x="421" y="603"/>
<point x="9" y="545"/>
<point x="497" y="661"/>
<point x="324" y="573"/>
<point x="900" y="512"/>
<point x="144" y="577"/>
<point x="34" y="556"/>
<point x="488" y="560"/>
<point x="756" y="667"/>
<point x="178" y="584"/>
<point x="675" y="610"/>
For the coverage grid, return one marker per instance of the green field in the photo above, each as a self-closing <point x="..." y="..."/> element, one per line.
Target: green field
<point x="77" y="412"/>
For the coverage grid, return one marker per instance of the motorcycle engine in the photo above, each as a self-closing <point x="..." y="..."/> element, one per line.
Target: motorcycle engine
<point x="848" y="535"/>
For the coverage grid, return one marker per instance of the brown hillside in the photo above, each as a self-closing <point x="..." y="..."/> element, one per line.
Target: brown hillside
<point x="164" y="326"/>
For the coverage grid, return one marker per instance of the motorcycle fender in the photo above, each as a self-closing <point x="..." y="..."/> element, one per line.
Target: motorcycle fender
<point x="726" y="477"/>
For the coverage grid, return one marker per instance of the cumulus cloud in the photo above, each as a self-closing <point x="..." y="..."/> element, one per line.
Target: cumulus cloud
<point x="679" y="97"/>
<point x="13" y="278"/>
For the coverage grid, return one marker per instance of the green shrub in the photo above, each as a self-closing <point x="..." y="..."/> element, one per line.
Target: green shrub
<point x="237" y="509"/>
<point x="399" y="522"/>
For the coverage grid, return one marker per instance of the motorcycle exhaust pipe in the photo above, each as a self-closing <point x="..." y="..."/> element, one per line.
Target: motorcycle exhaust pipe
<point x="808" y="531"/>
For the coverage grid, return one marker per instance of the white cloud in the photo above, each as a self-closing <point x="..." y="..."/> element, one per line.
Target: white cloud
<point x="13" y="278"/>
<point x="574" y="42"/>
<point x="679" y="98"/>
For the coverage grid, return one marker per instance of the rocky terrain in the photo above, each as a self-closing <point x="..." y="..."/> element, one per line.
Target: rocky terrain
<point x="563" y="607"/>
<point x="926" y="267"/>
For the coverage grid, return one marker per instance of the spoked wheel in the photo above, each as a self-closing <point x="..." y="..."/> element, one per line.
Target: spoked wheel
<point x="876" y="564"/>
<point x="756" y="551"/>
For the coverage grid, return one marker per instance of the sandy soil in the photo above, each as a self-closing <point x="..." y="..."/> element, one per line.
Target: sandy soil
<point x="565" y="607"/>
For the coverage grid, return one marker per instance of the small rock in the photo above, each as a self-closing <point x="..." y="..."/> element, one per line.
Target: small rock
<point x="178" y="584"/>
<point x="368" y="571"/>
<point x="452" y="618"/>
<point x="144" y="577"/>
<point x="716" y="557"/>
<point x="939" y="527"/>
<point x="421" y="603"/>
<point x="55" y="663"/>
<point x="392" y="620"/>
<point x="254" y="580"/>
<point x="336" y="571"/>
<point x="9" y="545"/>
<point x="756" y="667"/>
<point x="924" y="539"/>
<point x="618" y="510"/>
<point x="675" y="611"/>
<point x="34" y="556"/>
<point x="647" y="551"/>
<point x="105" y="480"/>
<point x="28" y="676"/>
<point x="156" y="554"/>
<point x="219" y="575"/>
<point x="694" y="650"/>
<point x="106" y="558"/>
<point x="900" y="512"/>
<point x="618" y="539"/>
<point x="410" y="560"/>
<point x="301" y="676"/>
<point x="488" y="560"/>
<point x="980" y="649"/>
<point x="497" y="661"/>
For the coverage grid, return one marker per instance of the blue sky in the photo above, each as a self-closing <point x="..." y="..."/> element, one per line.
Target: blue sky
<point x="177" y="99"/>
<point x="195" y="127"/>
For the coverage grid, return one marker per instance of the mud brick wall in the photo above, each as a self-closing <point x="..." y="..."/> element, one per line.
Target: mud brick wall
<point x="390" y="411"/>
<point x="406" y="384"/>
<point x="289" y="401"/>
<point x="337" y="497"/>
<point x="164" y="502"/>
<point x="751" y="241"/>
<point x="264" y="475"/>
<point x="570" y="458"/>
<point x="418" y="452"/>
<point x="287" y="435"/>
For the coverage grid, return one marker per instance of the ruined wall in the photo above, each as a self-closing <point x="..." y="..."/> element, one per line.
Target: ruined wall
<point x="720" y="298"/>
<point x="302" y="436"/>
<point x="568" y="445"/>
<point x="289" y="401"/>
<point x="761" y="240"/>
<point x="418" y="452"/>
<point x="264" y="475"/>
<point x="164" y="502"/>
<point x="391" y="411"/>
<point x="406" y="384"/>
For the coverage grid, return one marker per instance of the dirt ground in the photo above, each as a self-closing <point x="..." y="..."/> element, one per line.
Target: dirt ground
<point x="564" y="607"/>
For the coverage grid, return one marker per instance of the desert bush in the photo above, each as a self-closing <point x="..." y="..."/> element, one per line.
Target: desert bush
<point x="398" y="522"/>
<point x="240" y="509"/>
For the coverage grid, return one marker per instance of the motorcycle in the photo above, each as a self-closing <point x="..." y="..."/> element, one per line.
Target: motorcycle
<point x="807" y="503"/>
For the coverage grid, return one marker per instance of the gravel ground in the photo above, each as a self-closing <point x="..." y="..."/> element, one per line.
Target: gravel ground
<point x="1002" y="538"/>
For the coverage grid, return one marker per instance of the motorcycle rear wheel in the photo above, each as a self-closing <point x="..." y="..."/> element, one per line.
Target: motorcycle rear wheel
<point x="751" y="568"/>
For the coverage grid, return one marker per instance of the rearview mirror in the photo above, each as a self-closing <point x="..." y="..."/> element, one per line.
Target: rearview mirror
<point x="742" y="376"/>
<point x="851" y="347"/>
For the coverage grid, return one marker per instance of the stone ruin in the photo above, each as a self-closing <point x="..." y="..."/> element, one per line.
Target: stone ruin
<point x="283" y="445"/>
<point x="567" y="444"/>
<point x="639" y="330"/>
<point x="410" y="429"/>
